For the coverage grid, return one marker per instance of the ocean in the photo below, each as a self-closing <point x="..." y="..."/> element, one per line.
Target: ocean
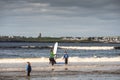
<point x="87" y="61"/>
<point x="40" y="50"/>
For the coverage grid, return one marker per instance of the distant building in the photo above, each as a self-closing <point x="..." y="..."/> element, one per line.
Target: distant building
<point x="40" y="35"/>
<point x="114" y="39"/>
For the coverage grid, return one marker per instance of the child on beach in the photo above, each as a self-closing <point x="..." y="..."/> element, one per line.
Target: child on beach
<point x="28" y="68"/>
<point x="66" y="57"/>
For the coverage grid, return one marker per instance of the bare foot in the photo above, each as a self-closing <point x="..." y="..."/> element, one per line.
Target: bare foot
<point x="52" y="69"/>
<point x="66" y="68"/>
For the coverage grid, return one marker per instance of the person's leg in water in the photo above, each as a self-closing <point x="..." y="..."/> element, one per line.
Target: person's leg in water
<point x="66" y="62"/>
<point x="28" y="73"/>
<point x="52" y="61"/>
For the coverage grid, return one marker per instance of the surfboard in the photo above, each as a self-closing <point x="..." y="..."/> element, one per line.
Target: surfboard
<point x="55" y="48"/>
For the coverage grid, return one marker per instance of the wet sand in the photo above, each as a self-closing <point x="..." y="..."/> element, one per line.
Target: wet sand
<point x="16" y="71"/>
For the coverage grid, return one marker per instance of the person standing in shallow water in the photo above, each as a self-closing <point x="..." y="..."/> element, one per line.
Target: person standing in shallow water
<point x="66" y="56"/>
<point x="52" y="55"/>
<point x="28" y="68"/>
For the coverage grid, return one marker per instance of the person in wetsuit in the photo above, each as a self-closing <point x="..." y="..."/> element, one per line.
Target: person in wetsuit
<point x="28" y="68"/>
<point x="52" y="55"/>
<point x="66" y="56"/>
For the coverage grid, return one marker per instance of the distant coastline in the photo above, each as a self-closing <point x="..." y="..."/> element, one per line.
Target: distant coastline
<point x="55" y="41"/>
<point x="115" y="39"/>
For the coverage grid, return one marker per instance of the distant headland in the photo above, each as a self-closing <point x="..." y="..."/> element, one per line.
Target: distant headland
<point x="106" y="39"/>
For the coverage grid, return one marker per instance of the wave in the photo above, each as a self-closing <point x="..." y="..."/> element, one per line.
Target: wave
<point x="37" y="47"/>
<point x="28" y="47"/>
<point x="66" y="47"/>
<point x="88" y="48"/>
<point x="71" y="59"/>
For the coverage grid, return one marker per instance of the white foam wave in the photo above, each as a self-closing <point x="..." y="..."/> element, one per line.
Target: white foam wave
<point x="94" y="59"/>
<point x="71" y="59"/>
<point x="21" y="60"/>
<point x="24" y="46"/>
<point x="28" y="46"/>
<point x="88" y="48"/>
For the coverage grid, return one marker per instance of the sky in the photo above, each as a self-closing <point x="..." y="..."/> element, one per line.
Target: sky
<point x="60" y="18"/>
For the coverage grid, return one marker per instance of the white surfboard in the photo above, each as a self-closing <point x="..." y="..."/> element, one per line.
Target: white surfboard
<point x="55" y="48"/>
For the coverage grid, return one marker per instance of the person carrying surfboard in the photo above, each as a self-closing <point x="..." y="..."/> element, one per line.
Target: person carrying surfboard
<point x="52" y="55"/>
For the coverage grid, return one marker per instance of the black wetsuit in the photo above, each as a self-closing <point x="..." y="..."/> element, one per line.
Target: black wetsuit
<point x="28" y="70"/>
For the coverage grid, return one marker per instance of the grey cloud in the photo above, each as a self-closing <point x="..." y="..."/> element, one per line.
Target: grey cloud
<point x="66" y="8"/>
<point x="100" y="9"/>
<point x="85" y="16"/>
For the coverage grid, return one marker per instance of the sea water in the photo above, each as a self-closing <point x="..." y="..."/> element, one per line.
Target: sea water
<point x="38" y="50"/>
<point x="78" y="77"/>
<point x="101" y="56"/>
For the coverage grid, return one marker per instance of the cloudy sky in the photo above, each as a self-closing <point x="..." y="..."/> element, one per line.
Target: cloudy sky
<point x="58" y="18"/>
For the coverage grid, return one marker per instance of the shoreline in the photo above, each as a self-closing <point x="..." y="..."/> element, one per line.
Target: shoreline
<point x="16" y="71"/>
<point x="87" y="67"/>
<point x="15" y="75"/>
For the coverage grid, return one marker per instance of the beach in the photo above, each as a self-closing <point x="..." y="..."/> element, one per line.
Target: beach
<point x="87" y="61"/>
<point x="98" y="70"/>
